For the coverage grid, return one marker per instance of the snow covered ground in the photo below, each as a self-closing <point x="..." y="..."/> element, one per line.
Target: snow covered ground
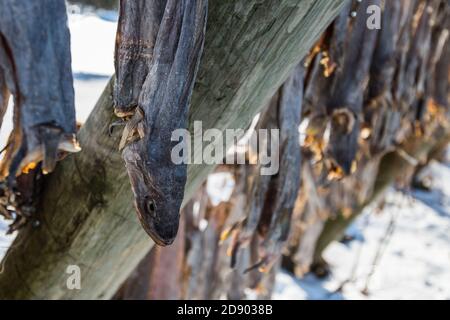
<point x="415" y="263"/>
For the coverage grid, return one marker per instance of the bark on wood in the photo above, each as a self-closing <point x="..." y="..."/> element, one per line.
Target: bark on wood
<point x="86" y="212"/>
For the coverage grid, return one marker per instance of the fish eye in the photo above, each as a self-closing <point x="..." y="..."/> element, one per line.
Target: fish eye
<point x="151" y="206"/>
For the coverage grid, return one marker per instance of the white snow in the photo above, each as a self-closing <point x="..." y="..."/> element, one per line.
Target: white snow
<point x="92" y="42"/>
<point x="416" y="261"/>
<point x="219" y="187"/>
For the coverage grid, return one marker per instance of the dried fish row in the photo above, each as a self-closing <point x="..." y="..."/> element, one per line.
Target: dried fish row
<point x="407" y="74"/>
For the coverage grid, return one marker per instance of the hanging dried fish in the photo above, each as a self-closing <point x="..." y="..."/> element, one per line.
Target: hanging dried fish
<point x="409" y="9"/>
<point x="418" y="54"/>
<point x="381" y="118"/>
<point x="384" y="57"/>
<point x="275" y="221"/>
<point x="319" y="81"/>
<point x="430" y="77"/>
<point x="137" y="30"/>
<point x="345" y="104"/>
<point x="441" y="83"/>
<point x="272" y="198"/>
<point x="35" y="56"/>
<point x="162" y="106"/>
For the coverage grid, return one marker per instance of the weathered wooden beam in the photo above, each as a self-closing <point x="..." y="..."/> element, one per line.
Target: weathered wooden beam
<point x="86" y="214"/>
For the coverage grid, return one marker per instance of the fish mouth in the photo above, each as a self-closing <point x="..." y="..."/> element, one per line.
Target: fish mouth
<point x="159" y="241"/>
<point x="152" y="219"/>
<point x="147" y="224"/>
<point x="155" y="212"/>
